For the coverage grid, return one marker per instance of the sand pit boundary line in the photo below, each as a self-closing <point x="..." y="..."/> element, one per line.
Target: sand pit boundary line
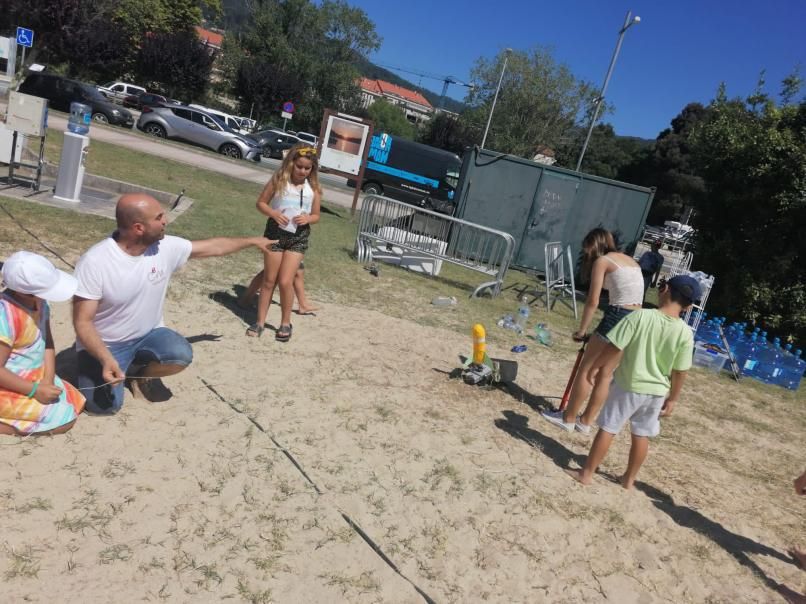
<point x="354" y="526"/>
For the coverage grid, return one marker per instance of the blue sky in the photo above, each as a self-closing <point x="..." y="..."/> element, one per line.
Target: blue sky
<point x="679" y="53"/>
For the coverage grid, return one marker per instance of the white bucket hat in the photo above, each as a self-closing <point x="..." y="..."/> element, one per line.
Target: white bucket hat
<point x="30" y="273"/>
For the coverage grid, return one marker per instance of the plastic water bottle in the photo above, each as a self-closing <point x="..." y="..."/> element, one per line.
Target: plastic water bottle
<point x="444" y="301"/>
<point x="748" y="360"/>
<point x="80" y="116"/>
<point x="793" y="371"/>
<point x="770" y="363"/>
<point x="523" y="315"/>
<point x="542" y="334"/>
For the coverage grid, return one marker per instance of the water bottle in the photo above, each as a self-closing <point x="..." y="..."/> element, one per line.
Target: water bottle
<point x="793" y="371"/>
<point x="80" y="116"/>
<point x="444" y="301"/>
<point x="747" y="357"/>
<point x="523" y="315"/>
<point x="542" y="334"/>
<point x="769" y="367"/>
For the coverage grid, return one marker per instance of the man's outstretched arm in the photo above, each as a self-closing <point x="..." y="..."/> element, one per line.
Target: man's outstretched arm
<point x="223" y="246"/>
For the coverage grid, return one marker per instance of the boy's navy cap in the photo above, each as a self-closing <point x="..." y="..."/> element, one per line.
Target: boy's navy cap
<point x="687" y="286"/>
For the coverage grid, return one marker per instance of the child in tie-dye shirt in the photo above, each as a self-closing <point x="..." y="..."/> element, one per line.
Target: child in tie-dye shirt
<point x="33" y="400"/>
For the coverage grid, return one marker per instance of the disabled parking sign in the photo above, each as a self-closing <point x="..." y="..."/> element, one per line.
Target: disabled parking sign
<point x="25" y="37"/>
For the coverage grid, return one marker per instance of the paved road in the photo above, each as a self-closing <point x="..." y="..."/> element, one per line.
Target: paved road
<point x="335" y="187"/>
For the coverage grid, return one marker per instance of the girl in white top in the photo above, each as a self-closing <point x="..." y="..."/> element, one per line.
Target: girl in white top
<point x="620" y="275"/>
<point x="291" y="201"/>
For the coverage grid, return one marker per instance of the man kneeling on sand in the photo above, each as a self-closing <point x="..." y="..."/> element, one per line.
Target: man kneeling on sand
<point x="117" y="311"/>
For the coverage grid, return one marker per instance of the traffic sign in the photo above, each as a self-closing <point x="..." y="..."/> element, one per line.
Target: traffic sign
<point x="25" y="37"/>
<point x="288" y="107"/>
<point x="286" y="115"/>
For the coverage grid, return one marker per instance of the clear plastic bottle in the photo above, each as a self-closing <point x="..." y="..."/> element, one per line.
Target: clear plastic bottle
<point x="523" y="315"/>
<point x="444" y="301"/>
<point x="80" y="117"/>
<point x="542" y="334"/>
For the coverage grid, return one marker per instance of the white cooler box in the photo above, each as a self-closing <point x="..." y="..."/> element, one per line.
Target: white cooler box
<point x="407" y="258"/>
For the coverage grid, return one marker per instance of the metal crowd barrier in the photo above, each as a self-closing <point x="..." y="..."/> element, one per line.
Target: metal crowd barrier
<point x="559" y="277"/>
<point x="422" y="239"/>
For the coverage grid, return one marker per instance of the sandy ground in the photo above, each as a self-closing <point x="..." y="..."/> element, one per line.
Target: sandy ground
<point x="460" y="488"/>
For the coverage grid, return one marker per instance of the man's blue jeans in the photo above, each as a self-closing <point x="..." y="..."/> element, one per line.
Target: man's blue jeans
<point x="162" y="345"/>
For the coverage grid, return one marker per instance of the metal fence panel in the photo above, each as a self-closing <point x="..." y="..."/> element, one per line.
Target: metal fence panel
<point x="393" y="228"/>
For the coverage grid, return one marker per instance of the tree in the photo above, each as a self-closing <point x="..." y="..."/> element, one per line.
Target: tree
<point x="539" y="102"/>
<point x="607" y="154"/>
<point x="447" y="132"/>
<point x="751" y="154"/>
<point x="313" y="44"/>
<point x="390" y="119"/>
<point x="175" y="63"/>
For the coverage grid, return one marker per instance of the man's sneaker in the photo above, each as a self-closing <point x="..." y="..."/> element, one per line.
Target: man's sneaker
<point x="580" y="427"/>
<point x="556" y="418"/>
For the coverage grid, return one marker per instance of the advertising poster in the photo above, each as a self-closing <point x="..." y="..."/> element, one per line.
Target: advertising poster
<point x="343" y="145"/>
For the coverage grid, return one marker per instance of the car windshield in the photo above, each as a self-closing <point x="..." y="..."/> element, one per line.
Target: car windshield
<point x="108" y="85"/>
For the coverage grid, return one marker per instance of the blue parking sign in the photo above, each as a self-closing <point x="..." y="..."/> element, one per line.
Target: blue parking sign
<point x="25" y="37"/>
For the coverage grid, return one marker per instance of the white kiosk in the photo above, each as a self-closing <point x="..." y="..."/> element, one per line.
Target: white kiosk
<point x="71" y="167"/>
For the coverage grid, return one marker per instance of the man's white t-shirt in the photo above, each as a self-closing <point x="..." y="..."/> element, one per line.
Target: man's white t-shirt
<point x="130" y="289"/>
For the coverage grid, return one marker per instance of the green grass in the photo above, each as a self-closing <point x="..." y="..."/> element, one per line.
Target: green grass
<point x="225" y="206"/>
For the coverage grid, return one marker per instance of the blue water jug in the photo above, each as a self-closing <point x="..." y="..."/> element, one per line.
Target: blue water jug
<point x="748" y="360"/>
<point x="793" y="371"/>
<point x="770" y="367"/>
<point x="80" y="117"/>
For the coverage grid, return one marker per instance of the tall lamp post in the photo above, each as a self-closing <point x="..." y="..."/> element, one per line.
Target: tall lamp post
<point x="507" y="52"/>
<point x="629" y="21"/>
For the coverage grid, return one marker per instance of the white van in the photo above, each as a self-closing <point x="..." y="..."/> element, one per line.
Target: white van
<point x="117" y="91"/>
<point x="229" y="120"/>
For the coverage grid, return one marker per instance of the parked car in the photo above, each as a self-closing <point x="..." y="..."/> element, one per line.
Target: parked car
<point x="140" y="100"/>
<point x="308" y="137"/>
<point x="194" y="126"/>
<point x="274" y="142"/>
<point x="60" y="92"/>
<point x="246" y="123"/>
<point x="118" y="91"/>
<point x="222" y="118"/>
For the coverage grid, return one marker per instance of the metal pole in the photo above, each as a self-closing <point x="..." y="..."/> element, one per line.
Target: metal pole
<point x="495" y="98"/>
<point x="628" y="21"/>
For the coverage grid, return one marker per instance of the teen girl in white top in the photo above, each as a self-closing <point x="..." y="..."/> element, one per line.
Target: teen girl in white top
<point x="291" y="201"/>
<point x="609" y="269"/>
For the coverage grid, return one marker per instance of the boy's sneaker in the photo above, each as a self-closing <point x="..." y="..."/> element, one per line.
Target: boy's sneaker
<point x="582" y="428"/>
<point x="556" y="418"/>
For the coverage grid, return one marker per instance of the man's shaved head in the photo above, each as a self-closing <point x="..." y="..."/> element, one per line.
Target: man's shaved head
<point x="133" y="208"/>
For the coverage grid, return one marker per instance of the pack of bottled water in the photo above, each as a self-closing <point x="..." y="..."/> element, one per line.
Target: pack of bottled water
<point x="757" y="356"/>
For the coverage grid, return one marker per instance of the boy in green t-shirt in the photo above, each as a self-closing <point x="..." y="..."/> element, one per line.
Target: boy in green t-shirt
<point x="657" y="348"/>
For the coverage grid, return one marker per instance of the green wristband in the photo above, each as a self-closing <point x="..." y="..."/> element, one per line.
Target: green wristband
<point x="33" y="390"/>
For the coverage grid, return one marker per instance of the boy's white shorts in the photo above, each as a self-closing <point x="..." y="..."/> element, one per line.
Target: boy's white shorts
<point x="643" y="411"/>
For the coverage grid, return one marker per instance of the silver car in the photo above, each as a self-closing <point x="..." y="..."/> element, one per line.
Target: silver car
<point x="196" y="127"/>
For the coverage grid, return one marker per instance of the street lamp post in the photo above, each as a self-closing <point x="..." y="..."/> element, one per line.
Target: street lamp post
<point x="629" y="21"/>
<point x="495" y="98"/>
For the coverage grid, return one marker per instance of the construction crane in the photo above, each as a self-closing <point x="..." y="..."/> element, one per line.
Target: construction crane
<point x="446" y="80"/>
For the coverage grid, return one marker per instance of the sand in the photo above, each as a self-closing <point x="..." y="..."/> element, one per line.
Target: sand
<point x="461" y="489"/>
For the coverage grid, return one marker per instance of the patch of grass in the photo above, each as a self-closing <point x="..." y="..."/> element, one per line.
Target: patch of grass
<point x="253" y="596"/>
<point x="23" y="563"/>
<point x="363" y="583"/>
<point x="116" y="468"/>
<point x="115" y="553"/>
<point x="444" y="471"/>
<point x="37" y="503"/>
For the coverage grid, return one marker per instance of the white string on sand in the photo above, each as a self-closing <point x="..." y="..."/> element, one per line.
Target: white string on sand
<point x="116" y="382"/>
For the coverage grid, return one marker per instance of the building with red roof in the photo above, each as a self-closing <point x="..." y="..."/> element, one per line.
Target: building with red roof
<point x="414" y="104"/>
<point x="213" y="40"/>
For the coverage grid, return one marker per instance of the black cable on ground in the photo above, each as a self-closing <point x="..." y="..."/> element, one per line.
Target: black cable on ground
<point x="42" y="243"/>
<point x="350" y="522"/>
